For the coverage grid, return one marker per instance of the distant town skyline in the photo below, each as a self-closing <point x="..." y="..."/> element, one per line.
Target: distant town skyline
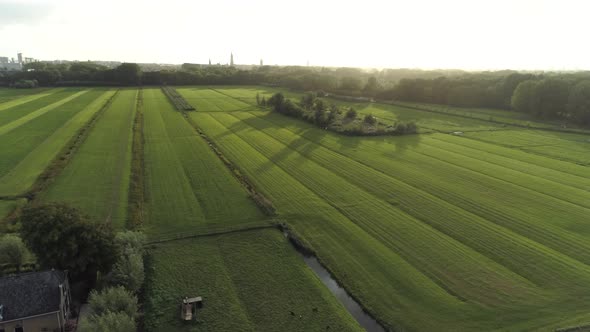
<point x="458" y="34"/>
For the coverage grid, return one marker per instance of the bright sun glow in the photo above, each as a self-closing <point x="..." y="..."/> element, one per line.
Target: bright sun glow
<point x="515" y="34"/>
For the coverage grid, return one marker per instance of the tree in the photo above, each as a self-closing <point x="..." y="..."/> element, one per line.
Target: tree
<point x="13" y="251"/>
<point x="370" y="119"/>
<point x="550" y="97"/>
<point x="128" y="73"/>
<point x="61" y="237"/>
<point x="109" y="322"/>
<point x="522" y="99"/>
<point x="128" y="272"/>
<point x="112" y="299"/>
<point x="351" y="113"/>
<point x="372" y="86"/>
<point x="350" y="83"/>
<point x="578" y="105"/>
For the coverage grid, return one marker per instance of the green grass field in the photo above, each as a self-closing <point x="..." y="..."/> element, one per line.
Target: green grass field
<point x="97" y="178"/>
<point x="480" y="237"/>
<point x="32" y="145"/>
<point x="431" y="232"/>
<point x="250" y="281"/>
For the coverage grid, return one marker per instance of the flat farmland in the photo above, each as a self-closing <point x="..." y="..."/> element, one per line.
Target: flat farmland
<point x="485" y="230"/>
<point x="476" y="230"/>
<point x="96" y="180"/>
<point x="250" y="281"/>
<point x="32" y="140"/>
<point x="189" y="188"/>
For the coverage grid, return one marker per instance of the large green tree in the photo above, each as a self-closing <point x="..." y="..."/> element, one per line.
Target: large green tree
<point x="62" y="237"/>
<point x="522" y="99"/>
<point x="579" y="102"/>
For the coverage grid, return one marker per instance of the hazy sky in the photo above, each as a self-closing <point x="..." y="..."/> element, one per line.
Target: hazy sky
<point x="469" y="34"/>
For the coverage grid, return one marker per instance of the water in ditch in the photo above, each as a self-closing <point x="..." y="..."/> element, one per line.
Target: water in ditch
<point x="353" y="307"/>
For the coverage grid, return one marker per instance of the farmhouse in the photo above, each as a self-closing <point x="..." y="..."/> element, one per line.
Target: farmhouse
<point x="35" y="301"/>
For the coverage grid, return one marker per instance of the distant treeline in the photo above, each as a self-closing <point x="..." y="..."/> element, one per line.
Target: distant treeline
<point x="315" y="110"/>
<point x="549" y="95"/>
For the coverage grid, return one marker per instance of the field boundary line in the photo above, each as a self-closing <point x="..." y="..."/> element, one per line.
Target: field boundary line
<point x="262" y="202"/>
<point x="135" y="196"/>
<point x="185" y="236"/>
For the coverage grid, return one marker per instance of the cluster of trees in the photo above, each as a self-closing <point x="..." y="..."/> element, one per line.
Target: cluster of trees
<point x="62" y="237"/>
<point x="551" y="96"/>
<point x="452" y="87"/>
<point x="113" y="309"/>
<point x="315" y="110"/>
<point x="554" y="98"/>
<point x="78" y="73"/>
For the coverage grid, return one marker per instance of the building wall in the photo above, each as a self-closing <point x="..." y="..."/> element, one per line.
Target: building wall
<point x="47" y="323"/>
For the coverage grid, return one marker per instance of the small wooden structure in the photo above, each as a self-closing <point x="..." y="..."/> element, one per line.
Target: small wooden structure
<point x="189" y="306"/>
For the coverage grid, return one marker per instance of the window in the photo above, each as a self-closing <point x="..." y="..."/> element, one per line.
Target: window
<point x="18" y="329"/>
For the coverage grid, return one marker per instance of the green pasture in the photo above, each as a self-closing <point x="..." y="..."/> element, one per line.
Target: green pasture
<point x="48" y="132"/>
<point x="249" y="281"/>
<point x="96" y="180"/>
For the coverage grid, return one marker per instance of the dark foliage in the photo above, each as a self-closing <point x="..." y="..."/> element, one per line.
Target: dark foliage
<point x="62" y="237"/>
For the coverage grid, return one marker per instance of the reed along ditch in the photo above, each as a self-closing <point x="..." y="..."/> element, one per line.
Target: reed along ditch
<point x="352" y="306"/>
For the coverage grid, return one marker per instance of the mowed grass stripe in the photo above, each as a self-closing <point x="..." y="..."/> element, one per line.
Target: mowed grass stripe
<point x="24" y="174"/>
<point x="18" y="143"/>
<point x="561" y="171"/>
<point x="97" y="178"/>
<point x="556" y="184"/>
<point x="385" y="283"/>
<point x="486" y="237"/>
<point x="222" y="199"/>
<point x="25" y="99"/>
<point x="33" y="115"/>
<point x="171" y="203"/>
<point x="534" y="216"/>
<point x="574" y="148"/>
<point x="24" y="109"/>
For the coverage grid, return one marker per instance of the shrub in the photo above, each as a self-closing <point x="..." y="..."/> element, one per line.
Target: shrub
<point x="351" y="113"/>
<point x="109" y="322"/>
<point x="13" y="250"/>
<point x="129" y="272"/>
<point x="370" y="119"/>
<point x="131" y="241"/>
<point x="114" y="300"/>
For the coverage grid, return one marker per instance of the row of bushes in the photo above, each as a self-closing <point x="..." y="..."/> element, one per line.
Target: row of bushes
<point x="136" y="182"/>
<point x="315" y="110"/>
<point x="176" y="99"/>
<point x="115" y="306"/>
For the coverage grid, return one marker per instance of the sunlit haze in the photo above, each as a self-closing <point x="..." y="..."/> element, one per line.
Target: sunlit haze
<point x="506" y="34"/>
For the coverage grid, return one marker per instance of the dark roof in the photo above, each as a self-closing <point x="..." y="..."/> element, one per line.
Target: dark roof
<point x="29" y="294"/>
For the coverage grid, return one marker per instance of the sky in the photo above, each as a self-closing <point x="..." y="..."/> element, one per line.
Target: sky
<point x="458" y="34"/>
